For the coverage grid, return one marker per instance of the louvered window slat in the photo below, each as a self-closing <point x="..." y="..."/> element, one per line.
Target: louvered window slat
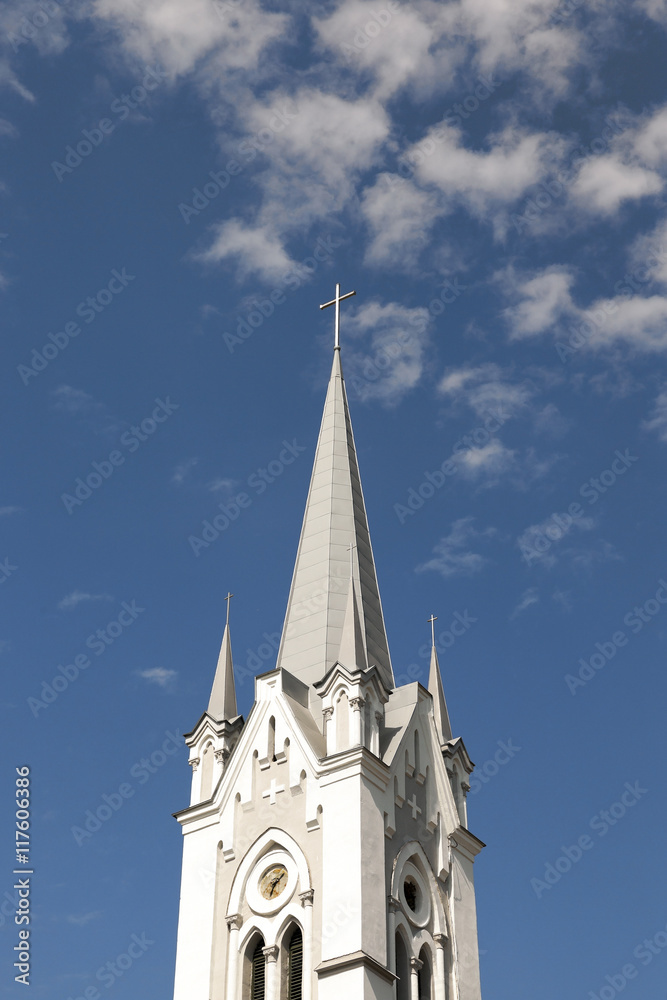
<point x="295" y="966"/>
<point x="258" y="973"/>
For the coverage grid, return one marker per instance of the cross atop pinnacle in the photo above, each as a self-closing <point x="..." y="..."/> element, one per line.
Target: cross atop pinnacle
<point x="228" y="598"/>
<point x="337" y="301"/>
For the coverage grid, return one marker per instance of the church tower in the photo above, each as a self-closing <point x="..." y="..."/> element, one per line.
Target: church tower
<point x="326" y="850"/>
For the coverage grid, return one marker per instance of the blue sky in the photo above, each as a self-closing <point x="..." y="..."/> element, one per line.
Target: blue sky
<point x="182" y="184"/>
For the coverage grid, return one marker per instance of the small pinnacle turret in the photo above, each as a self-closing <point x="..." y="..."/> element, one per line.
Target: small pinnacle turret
<point x="440" y="713"/>
<point x="222" y="703"/>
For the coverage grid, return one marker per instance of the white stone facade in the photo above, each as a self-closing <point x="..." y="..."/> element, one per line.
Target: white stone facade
<point x="335" y="816"/>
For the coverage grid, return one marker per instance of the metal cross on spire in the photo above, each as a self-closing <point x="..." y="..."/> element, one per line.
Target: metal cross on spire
<point x="228" y="598"/>
<point x="336" y="302"/>
<point x="432" y="620"/>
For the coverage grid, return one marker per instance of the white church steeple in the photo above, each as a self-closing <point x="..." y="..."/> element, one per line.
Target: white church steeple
<point x="335" y="517"/>
<point x="325" y="848"/>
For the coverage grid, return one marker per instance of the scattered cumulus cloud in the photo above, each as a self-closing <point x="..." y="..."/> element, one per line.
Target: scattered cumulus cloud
<point x="222" y="484"/>
<point x="160" y="676"/>
<point x="182" y="472"/>
<point x="453" y="555"/>
<point x="78" y="597"/>
<point x="397" y="339"/>
<point x="80" y="920"/>
<point x="657" y="421"/>
<point x="528" y="598"/>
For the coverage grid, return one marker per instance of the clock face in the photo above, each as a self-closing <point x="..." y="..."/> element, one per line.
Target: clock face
<point x="273" y="882"/>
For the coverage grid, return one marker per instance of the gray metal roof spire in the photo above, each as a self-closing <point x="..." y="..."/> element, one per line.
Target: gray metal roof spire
<point x="335" y="514"/>
<point x="440" y="713"/>
<point x="222" y="703"/>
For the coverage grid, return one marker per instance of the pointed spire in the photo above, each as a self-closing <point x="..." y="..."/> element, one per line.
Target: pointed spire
<point x="440" y="713"/>
<point x="222" y="703"/>
<point x="320" y="593"/>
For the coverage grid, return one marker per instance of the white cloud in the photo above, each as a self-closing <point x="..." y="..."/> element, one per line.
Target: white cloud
<point x="182" y="472"/>
<point x="542" y="543"/>
<point x="452" y="557"/>
<point x="398" y="342"/>
<point x="488" y="178"/>
<point x="658" y="420"/>
<point x="488" y="390"/>
<point x="222" y="485"/>
<point x="655" y="9"/>
<point x="8" y="511"/>
<point x="257" y="249"/>
<point x="80" y="920"/>
<point x="638" y="320"/>
<point x="160" y="675"/>
<point x="73" y="401"/>
<point x="528" y="598"/>
<point x="314" y="164"/>
<point x="77" y="403"/>
<point x="77" y="597"/>
<point x="605" y="182"/>
<point x="405" y="45"/>
<point x="181" y="35"/>
<point x="542" y="300"/>
<point x="400" y="216"/>
<point x="491" y="461"/>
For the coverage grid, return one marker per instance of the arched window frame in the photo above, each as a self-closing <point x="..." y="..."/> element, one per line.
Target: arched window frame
<point x="285" y="939"/>
<point x="254" y="948"/>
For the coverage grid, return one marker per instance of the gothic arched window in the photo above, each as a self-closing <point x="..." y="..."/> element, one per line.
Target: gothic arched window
<point x="258" y="972"/>
<point x="207" y="772"/>
<point x="402" y="969"/>
<point x="271" y="751"/>
<point x="295" y="965"/>
<point x="425" y="975"/>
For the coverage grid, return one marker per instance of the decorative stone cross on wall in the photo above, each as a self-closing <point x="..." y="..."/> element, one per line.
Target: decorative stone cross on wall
<point x="416" y="811"/>
<point x="274" y="789"/>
